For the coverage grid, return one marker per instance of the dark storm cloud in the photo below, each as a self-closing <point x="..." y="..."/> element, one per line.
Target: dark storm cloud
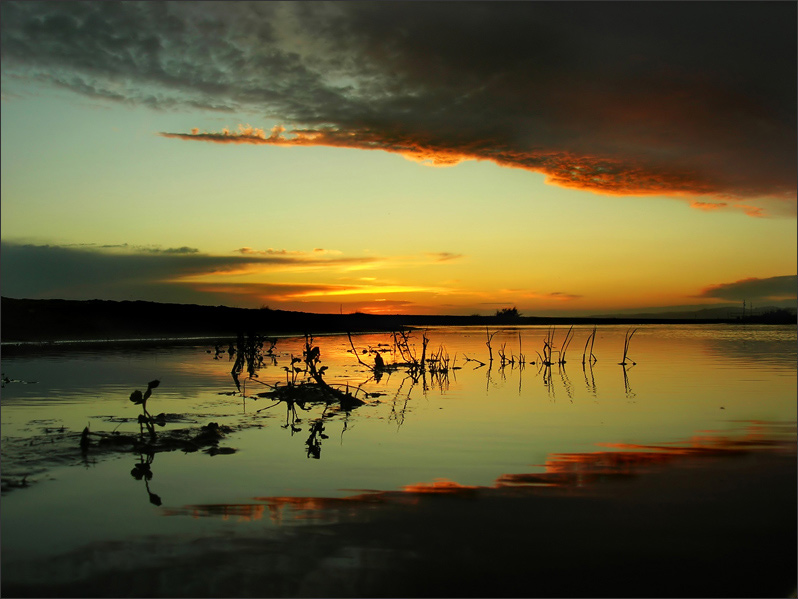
<point x="133" y="248"/>
<point x="771" y="288"/>
<point x="628" y="97"/>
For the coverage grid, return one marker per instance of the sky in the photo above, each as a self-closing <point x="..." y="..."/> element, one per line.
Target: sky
<point x="564" y="158"/>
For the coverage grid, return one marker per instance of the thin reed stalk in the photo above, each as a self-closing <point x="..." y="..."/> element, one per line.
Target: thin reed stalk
<point x="490" y="350"/>
<point x="568" y="338"/>
<point x="590" y="358"/>
<point x="627" y="340"/>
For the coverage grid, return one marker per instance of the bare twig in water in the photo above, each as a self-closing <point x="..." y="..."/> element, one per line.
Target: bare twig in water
<point x="521" y="357"/>
<point x="626" y="342"/>
<point x="479" y="362"/>
<point x="590" y="340"/>
<point x="548" y="347"/>
<point x="568" y="338"/>
<point x="490" y="336"/>
<point x="354" y="351"/>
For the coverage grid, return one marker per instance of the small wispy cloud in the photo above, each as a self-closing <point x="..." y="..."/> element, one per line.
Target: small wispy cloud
<point x="708" y="206"/>
<point x="540" y="295"/>
<point x="444" y="256"/>
<point x="126" y="247"/>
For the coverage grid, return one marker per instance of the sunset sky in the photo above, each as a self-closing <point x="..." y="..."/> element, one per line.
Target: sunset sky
<point x="401" y="157"/>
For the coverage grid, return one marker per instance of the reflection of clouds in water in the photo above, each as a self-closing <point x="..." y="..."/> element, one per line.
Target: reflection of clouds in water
<point x="629" y="459"/>
<point x="585" y="470"/>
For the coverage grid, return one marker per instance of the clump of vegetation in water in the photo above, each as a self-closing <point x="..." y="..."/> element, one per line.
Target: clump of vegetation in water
<point x="512" y="360"/>
<point x="417" y="365"/>
<point x="305" y="386"/>
<point x="548" y="347"/>
<point x="311" y="387"/>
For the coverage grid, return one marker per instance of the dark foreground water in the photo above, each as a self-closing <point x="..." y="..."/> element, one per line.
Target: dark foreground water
<point x="675" y="476"/>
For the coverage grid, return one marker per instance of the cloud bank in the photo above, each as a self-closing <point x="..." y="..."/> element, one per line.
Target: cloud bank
<point x="248" y="276"/>
<point x="684" y="99"/>
<point x="755" y="289"/>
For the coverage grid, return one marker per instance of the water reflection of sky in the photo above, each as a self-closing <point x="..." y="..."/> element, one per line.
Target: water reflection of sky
<point x="583" y="473"/>
<point x="694" y="394"/>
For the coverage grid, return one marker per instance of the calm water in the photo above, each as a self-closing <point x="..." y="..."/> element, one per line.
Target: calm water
<point x="693" y="393"/>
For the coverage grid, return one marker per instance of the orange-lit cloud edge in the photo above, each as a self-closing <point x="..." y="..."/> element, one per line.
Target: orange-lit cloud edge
<point x="569" y="472"/>
<point x="601" y="175"/>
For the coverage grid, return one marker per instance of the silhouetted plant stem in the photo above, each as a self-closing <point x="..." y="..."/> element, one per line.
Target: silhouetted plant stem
<point x="354" y="351"/>
<point x="548" y="344"/>
<point x="590" y="340"/>
<point x="141" y="399"/>
<point x="490" y="337"/>
<point x="627" y="340"/>
<point x="568" y="337"/>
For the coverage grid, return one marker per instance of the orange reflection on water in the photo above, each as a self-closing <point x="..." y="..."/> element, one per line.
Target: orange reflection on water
<point x="629" y="459"/>
<point x="311" y="508"/>
<point x="244" y="512"/>
<point x="439" y="486"/>
<point x="561" y="471"/>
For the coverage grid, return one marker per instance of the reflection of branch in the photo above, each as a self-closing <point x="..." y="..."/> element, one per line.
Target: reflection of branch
<point x="400" y="416"/>
<point x="547" y="380"/>
<point x="566" y="381"/>
<point x="346" y="426"/>
<point x="590" y="385"/>
<point x="314" y="440"/>
<point x="627" y="387"/>
<point x="143" y="470"/>
<point x="248" y="351"/>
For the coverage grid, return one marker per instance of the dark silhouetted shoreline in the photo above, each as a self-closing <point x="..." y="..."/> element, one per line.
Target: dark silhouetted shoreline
<point x="45" y="320"/>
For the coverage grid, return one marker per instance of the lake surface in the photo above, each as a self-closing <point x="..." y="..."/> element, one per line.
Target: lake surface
<point x="672" y="476"/>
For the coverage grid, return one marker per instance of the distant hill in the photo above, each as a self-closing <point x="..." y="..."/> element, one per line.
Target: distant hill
<point x="729" y="313"/>
<point x="45" y="320"/>
<point x="58" y="320"/>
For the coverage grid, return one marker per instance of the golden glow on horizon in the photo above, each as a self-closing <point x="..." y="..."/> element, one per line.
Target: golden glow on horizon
<point x="369" y="291"/>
